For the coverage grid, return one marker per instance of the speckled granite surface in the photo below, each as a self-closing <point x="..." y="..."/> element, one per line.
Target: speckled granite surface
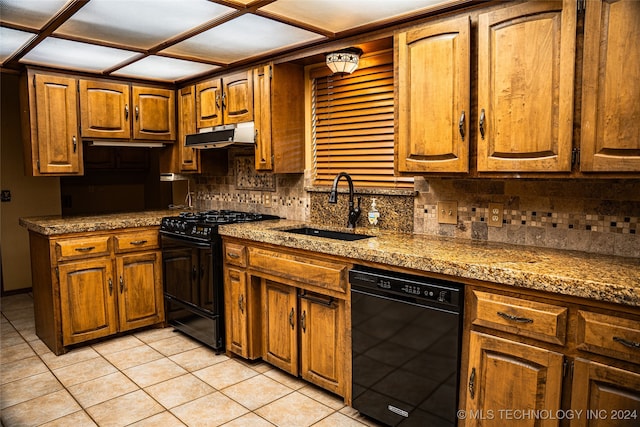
<point x="52" y="225"/>
<point x="580" y="274"/>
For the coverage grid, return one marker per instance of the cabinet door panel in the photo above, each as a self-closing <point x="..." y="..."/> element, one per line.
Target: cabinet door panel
<point x="433" y="98"/>
<point x="279" y="341"/>
<point x="59" y="147"/>
<point x="238" y="98"/>
<point x="525" y="87"/>
<point x="87" y="300"/>
<point x="104" y="109"/>
<point x="611" y="87"/>
<point x="188" y="158"/>
<point x="611" y="396"/>
<point x="262" y="98"/>
<point x="154" y="114"/>
<point x="140" y="301"/>
<point x="506" y="375"/>
<point x="209" y="103"/>
<point x="236" y="304"/>
<point x="322" y="332"/>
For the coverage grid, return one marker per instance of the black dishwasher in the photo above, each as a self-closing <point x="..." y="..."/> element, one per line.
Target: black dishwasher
<point x="406" y="333"/>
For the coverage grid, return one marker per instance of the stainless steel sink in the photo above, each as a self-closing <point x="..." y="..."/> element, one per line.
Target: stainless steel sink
<point x="328" y="234"/>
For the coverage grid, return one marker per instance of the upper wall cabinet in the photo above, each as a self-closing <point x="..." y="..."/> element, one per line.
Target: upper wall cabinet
<point x="526" y="57"/>
<point x="611" y="87"/>
<point x="279" y="118"/>
<point x="51" y="136"/>
<point x="225" y="100"/>
<point x="432" y="110"/>
<point x="108" y="111"/>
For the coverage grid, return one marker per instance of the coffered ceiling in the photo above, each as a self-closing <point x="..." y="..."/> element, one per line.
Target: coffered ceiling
<point x="176" y="40"/>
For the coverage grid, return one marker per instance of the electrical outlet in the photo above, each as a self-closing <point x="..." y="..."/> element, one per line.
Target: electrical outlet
<point x="448" y="212"/>
<point x="496" y="214"/>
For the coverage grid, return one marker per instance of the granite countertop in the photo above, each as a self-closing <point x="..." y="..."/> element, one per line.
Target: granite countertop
<point x="57" y="224"/>
<point x="580" y="274"/>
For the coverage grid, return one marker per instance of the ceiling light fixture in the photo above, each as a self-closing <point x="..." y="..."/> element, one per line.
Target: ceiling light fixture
<point x="344" y="61"/>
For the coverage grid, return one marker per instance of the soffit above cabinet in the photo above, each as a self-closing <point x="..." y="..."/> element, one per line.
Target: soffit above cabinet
<point x="177" y="40"/>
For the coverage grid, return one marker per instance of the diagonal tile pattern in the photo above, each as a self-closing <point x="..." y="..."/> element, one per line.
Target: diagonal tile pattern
<point x="155" y="377"/>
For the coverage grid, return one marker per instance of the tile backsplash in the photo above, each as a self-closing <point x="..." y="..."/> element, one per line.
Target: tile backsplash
<point x="591" y="215"/>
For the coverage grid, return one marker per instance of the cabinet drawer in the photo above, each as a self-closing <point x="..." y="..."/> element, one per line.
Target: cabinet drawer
<point x="235" y="254"/>
<point x="609" y="335"/>
<point x="136" y="241"/>
<point x="321" y="273"/>
<point x="544" y="322"/>
<point x="82" y="247"/>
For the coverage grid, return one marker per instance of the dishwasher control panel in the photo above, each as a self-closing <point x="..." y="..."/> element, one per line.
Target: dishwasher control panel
<point x="423" y="289"/>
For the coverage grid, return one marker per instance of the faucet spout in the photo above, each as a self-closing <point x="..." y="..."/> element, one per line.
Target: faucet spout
<point x="354" y="212"/>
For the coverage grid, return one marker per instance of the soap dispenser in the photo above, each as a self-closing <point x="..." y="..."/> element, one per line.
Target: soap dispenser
<point x="374" y="214"/>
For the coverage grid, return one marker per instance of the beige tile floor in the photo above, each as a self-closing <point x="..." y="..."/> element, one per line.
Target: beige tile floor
<point x="156" y="377"/>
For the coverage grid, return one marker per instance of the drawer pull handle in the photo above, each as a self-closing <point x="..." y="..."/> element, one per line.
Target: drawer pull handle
<point x="461" y="125"/>
<point x="631" y="344"/>
<point x="472" y="383"/>
<point x="110" y="287"/>
<point x="232" y="255"/>
<point x="241" y="303"/>
<point x="514" y="318"/>
<point x="121" y="285"/>
<point x="291" y="319"/>
<point x="138" y="242"/>
<point x="481" y="124"/>
<point x="328" y="303"/>
<point x="87" y="249"/>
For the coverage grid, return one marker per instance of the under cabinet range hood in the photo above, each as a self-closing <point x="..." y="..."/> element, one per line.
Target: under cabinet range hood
<point x="223" y="136"/>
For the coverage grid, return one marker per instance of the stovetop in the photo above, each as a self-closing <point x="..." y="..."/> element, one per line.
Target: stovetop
<point x="204" y="225"/>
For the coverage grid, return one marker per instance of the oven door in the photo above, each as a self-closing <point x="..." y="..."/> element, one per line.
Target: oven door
<point x="188" y="273"/>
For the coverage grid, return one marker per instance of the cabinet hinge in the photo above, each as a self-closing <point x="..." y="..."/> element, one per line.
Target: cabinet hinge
<point x="575" y="156"/>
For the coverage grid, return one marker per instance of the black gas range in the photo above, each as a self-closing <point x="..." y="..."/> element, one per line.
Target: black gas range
<point x="192" y="271"/>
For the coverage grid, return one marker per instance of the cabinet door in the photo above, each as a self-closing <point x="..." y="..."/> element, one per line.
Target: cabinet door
<point x="506" y="375"/>
<point x="236" y="304"/>
<point x="188" y="158"/>
<point x="237" y="98"/>
<point x="154" y="115"/>
<point x="433" y="98"/>
<point x="322" y="341"/>
<point x="526" y="56"/>
<point x="104" y="109"/>
<point x="606" y="396"/>
<point x="87" y="302"/>
<point x="262" y="87"/>
<point x="209" y="103"/>
<point x="179" y="269"/>
<point x="58" y="142"/>
<point x="611" y="87"/>
<point x="279" y="323"/>
<point x="140" y="299"/>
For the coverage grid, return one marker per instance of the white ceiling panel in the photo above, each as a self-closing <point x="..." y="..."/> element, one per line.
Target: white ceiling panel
<point x="29" y="13"/>
<point x="241" y="38"/>
<point x="165" y="69"/>
<point x="11" y="41"/>
<point x="341" y="15"/>
<point x="76" y="56"/>
<point x="140" y="23"/>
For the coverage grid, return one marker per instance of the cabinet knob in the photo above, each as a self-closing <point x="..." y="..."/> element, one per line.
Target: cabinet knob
<point x="75" y="143"/>
<point x="481" y="123"/>
<point x="461" y="125"/>
<point x="472" y="383"/>
<point x="121" y="285"/>
<point x="110" y="287"/>
<point x="126" y="111"/>
<point x="291" y="319"/>
<point x="137" y="112"/>
<point x="303" y="321"/>
<point x="241" y="303"/>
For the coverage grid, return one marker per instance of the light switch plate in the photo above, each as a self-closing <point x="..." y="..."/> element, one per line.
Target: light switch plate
<point x="496" y="214"/>
<point x="448" y="212"/>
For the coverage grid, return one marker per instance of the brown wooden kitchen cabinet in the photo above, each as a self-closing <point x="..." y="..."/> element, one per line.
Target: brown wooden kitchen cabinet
<point x="610" y="132"/>
<point x="226" y="100"/>
<point x="50" y="125"/>
<point x="178" y="158"/>
<point x="548" y="353"/>
<point x="433" y="106"/>
<point x="113" y="110"/>
<point x="92" y="287"/>
<point x="291" y="310"/>
<point x="279" y="118"/>
<point x="526" y="59"/>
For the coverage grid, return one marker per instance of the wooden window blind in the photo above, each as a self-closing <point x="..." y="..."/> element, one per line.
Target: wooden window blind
<point x="352" y="125"/>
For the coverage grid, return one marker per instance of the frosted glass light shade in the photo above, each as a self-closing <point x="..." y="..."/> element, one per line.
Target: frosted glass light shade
<point x="11" y="40"/>
<point x="344" y="61"/>
<point x="163" y="68"/>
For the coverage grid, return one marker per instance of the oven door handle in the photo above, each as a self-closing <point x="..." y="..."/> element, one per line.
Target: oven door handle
<point x="186" y="242"/>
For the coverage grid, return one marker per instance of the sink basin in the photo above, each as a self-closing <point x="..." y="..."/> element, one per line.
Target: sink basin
<point x="328" y="234"/>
